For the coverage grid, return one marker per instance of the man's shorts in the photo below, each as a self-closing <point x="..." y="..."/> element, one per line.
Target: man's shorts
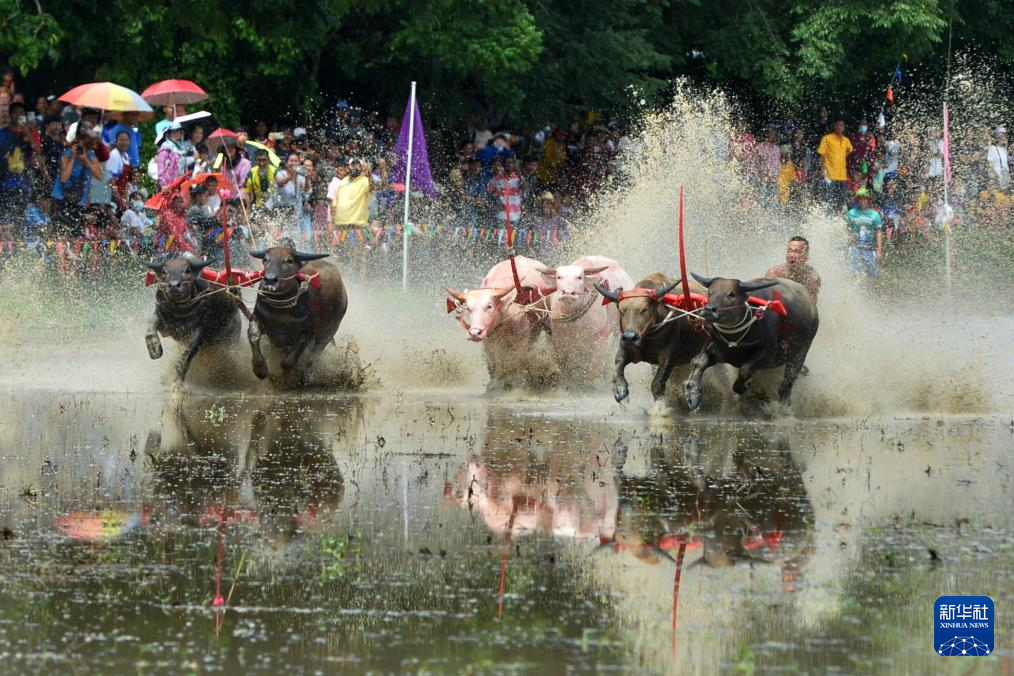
<point x="863" y="261"/>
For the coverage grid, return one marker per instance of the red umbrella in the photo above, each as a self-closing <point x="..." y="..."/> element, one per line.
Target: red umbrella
<point x="160" y="199"/>
<point x="172" y="92"/>
<point x="200" y="179"/>
<point x="219" y="137"/>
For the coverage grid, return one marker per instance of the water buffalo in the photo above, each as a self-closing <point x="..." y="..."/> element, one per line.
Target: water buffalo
<point x="644" y="336"/>
<point x="580" y="324"/>
<point x="301" y="301"/>
<point x="741" y="339"/>
<point x="490" y="316"/>
<point x="188" y="310"/>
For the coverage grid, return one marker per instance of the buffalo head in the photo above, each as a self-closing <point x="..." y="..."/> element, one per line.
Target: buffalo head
<point x="727" y="298"/>
<point x="483" y="309"/>
<point x="177" y="275"/>
<point x="639" y="313"/>
<point x="281" y="264"/>
<point x="572" y="282"/>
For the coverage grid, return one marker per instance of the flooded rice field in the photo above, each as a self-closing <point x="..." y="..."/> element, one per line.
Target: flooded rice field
<point x="397" y="518"/>
<point x="433" y="533"/>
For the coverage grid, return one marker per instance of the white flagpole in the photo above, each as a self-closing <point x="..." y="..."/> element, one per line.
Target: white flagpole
<point x="947" y="204"/>
<point x="408" y="190"/>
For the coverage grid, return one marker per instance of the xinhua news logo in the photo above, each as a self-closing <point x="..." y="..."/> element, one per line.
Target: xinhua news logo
<point x="964" y="626"/>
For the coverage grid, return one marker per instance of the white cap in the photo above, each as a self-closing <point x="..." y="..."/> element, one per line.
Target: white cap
<point x="1001" y="130"/>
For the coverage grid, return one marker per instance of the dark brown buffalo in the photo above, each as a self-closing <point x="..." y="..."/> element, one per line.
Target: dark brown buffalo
<point x="297" y="312"/>
<point x="189" y="310"/>
<point x="644" y="336"/>
<point x="752" y="344"/>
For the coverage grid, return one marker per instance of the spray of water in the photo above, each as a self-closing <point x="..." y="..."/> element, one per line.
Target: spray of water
<point x="877" y="352"/>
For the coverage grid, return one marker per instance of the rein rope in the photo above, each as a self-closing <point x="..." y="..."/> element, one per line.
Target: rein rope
<point x="743" y="328"/>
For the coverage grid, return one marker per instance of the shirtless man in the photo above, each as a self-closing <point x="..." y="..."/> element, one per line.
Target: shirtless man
<point x="795" y="267"/>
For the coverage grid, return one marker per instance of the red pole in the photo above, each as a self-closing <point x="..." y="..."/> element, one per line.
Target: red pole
<point x="515" y="503"/>
<point x="510" y="240"/>
<point x="683" y="270"/>
<point x="676" y="590"/>
<point x="225" y="236"/>
<point x="218" y="601"/>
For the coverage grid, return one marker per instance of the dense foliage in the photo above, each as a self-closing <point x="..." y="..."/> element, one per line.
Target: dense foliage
<point x="528" y="60"/>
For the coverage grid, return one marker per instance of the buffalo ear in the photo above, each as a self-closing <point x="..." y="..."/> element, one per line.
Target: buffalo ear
<point x="196" y="264"/>
<point x="307" y="257"/>
<point x="703" y="281"/>
<point x="750" y="287"/>
<point x="498" y="294"/>
<point x="259" y="254"/>
<point x="547" y="272"/>
<point x="155" y="265"/>
<point x="455" y="294"/>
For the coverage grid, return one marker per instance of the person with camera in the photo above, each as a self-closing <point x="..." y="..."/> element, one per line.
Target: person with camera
<point x="79" y="164"/>
<point x="293" y="194"/>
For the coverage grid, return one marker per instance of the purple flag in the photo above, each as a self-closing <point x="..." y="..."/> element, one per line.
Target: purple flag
<point x="422" y="180"/>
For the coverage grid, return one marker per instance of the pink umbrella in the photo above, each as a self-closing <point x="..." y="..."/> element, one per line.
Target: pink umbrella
<point x="172" y="92"/>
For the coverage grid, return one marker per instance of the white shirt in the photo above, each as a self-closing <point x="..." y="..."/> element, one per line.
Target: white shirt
<point x="936" y="162"/>
<point x="131" y="219"/>
<point x="116" y="162"/>
<point x="997" y="158"/>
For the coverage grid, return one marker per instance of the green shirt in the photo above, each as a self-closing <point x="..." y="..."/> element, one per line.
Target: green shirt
<point x="864" y="224"/>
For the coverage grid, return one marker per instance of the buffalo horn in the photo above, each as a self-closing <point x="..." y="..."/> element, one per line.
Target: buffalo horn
<point x="502" y="291"/>
<point x="307" y="257"/>
<point x="260" y="253"/>
<point x="750" y="287"/>
<point x="455" y="294"/>
<point x="665" y="289"/>
<point x="611" y="295"/>
<point x="548" y="272"/>
<point x="155" y="265"/>
<point x="196" y="264"/>
<point x="595" y="271"/>
<point x="703" y="281"/>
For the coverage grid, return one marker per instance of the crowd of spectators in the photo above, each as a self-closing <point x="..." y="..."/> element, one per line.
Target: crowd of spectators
<point x="889" y="183"/>
<point x="79" y="178"/>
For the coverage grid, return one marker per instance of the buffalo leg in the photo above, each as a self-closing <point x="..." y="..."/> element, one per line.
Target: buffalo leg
<point x="183" y="364"/>
<point x="620" y="387"/>
<point x="662" y="374"/>
<point x="692" y="389"/>
<point x="792" y="371"/>
<point x="747" y="370"/>
<point x="151" y="338"/>
<point x="312" y="353"/>
<point x="292" y="357"/>
<point x="260" y="365"/>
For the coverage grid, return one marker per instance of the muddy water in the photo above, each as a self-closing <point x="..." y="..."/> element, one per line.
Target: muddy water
<point x="402" y="533"/>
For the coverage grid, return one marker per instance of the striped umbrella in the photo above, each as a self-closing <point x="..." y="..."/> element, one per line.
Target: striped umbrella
<point x="109" y="97"/>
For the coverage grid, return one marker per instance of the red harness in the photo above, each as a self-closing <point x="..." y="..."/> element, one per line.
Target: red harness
<point x="697" y="300"/>
<point x="239" y="277"/>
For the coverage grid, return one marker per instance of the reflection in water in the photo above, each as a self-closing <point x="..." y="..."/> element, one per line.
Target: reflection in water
<point x="737" y="497"/>
<point x="389" y="535"/>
